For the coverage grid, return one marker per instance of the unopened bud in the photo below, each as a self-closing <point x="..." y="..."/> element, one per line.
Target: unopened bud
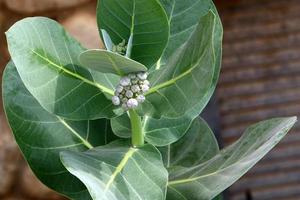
<point x="145" y="88"/>
<point x="125" y="81"/>
<point x="142" y="75"/>
<point x="140" y="98"/>
<point x="115" y="100"/>
<point x="132" y="103"/>
<point x="146" y="82"/>
<point x="119" y="88"/>
<point x="129" y="94"/>
<point x="135" y="88"/>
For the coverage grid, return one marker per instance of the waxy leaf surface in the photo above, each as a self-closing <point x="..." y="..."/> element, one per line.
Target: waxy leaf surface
<point x="145" y="20"/>
<point x="184" y="17"/>
<point x="178" y="86"/>
<point x="41" y="136"/>
<point x="206" y="180"/>
<point x="119" y="172"/>
<point x="196" y="146"/>
<point x="109" y="62"/>
<point x="46" y="58"/>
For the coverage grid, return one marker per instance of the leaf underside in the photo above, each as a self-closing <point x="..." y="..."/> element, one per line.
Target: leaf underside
<point x="206" y="180"/>
<point x="41" y="136"/>
<point x="40" y="47"/>
<point x="109" y="62"/>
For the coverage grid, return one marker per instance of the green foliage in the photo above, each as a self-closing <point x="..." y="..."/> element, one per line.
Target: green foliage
<point x="109" y="62"/>
<point x="145" y="20"/>
<point x="42" y="136"/>
<point x="206" y="179"/>
<point x="58" y="98"/>
<point x="46" y="58"/>
<point x="117" y="171"/>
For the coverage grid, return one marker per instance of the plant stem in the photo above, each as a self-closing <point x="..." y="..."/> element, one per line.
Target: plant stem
<point x="136" y="129"/>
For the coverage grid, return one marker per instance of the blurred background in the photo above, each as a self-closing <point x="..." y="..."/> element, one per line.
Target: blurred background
<point x="260" y="78"/>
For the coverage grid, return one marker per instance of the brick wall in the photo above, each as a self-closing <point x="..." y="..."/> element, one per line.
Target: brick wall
<point x="260" y="79"/>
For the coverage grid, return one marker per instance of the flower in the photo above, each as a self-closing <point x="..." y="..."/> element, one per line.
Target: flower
<point x="129" y="93"/>
<point x="140" y="98"/>
<point x="115" y="100"/>
<point x="125" y="81"/>
<point x="132" y="103"/>
<point x="142" y="75"/>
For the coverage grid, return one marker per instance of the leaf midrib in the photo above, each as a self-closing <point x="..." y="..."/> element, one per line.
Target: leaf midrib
<point x="173" y="80"/>
<point x="85" y="142"/>
<point x="192" y="179"/>
<point x="101" y="87"/>
<point x="119" y="168"/>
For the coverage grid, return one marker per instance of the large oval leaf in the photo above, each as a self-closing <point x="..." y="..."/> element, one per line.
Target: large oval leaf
<point x="119" y="172"/>
<point x="190" y="69"/>
<point x="109" y="62"/>
<point x="184" y="17"/>
<point x="207" y="180"/>
<point x="41" y="136"/>
<point x="145" y="20"/>
<point x="47" y="60"/>
<point x="196" y="146"/>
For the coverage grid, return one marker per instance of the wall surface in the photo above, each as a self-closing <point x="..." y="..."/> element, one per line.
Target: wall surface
<point x="260" y="79"/>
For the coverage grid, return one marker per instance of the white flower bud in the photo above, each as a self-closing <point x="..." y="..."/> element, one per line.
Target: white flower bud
<point x="145" y="88"/>
<point x="142" y="75"/>
<point x="129" y="94"/>
<point x="119" y="88"/>
<point x="125" y="81"/>
<point x="135" y="88"/>
<point x="140" y="98"/>
<point x="146" y="82"/>
<point x="124" y="100"/>
<point x="132" y="103"/>
<point x="115" y="100"/>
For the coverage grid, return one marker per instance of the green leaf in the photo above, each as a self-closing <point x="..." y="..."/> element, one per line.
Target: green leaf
<point x="195" y="147"/>
<point x="220" y="197"/>
<point x="109" y="62"/>
<point x="46" y="58"/>
<point x="41" y="136"/>
<point x="208" y="179"/>
<point x="107" y="40"/>
<point x="184" y="17"/>
<point x="119" y="172"/>
<point x="145" y="20"/>
<point x="190" y="69"/>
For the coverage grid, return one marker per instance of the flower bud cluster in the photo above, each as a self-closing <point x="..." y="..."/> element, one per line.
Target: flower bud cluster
<point x="120" y="48"/>
<point x="130" y="90"/>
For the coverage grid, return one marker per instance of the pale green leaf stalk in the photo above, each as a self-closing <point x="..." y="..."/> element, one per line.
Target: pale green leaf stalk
<point x="137" y="136"/>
